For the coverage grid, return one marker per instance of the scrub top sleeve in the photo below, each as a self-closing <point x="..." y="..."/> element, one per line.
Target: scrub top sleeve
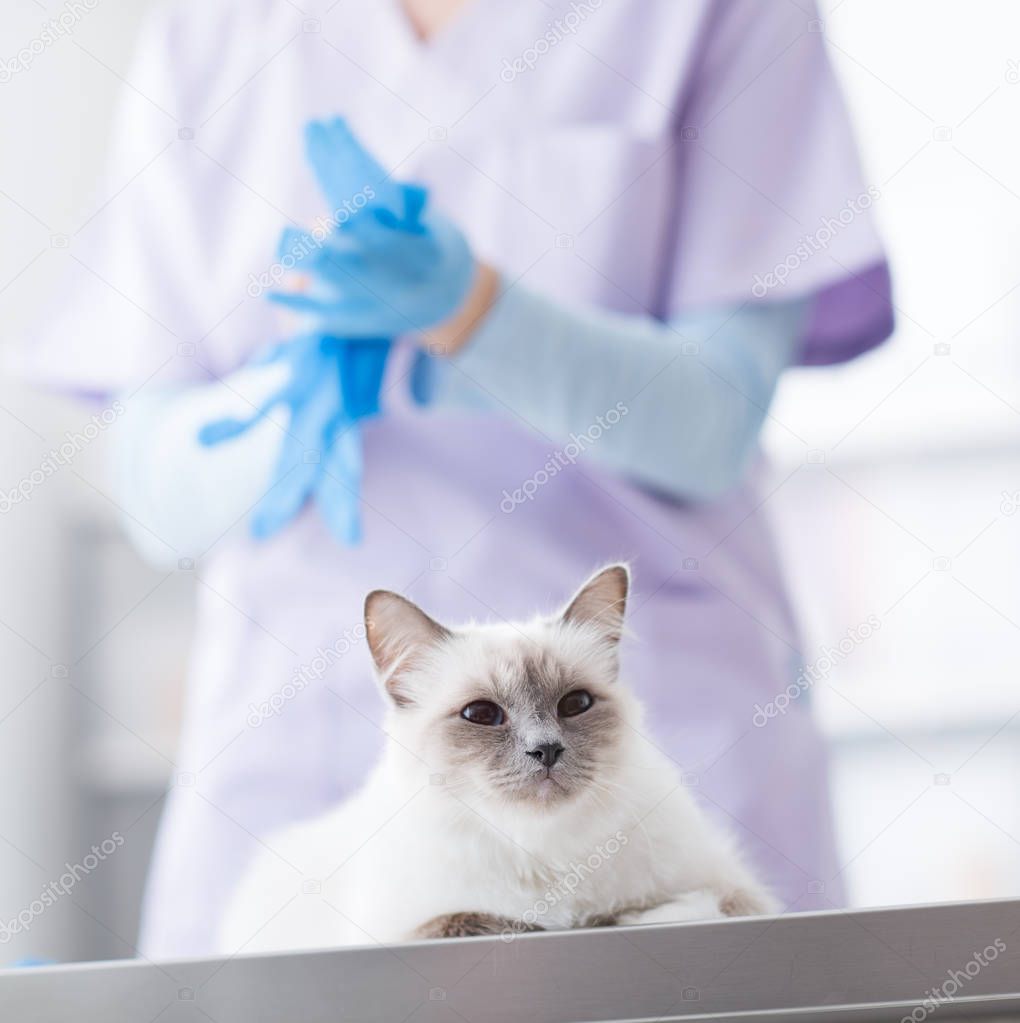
<point x="140" y="299"/>
<point x="773" y="203"/>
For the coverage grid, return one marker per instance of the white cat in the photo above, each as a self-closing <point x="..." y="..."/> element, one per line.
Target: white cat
<point x="518" y="791"/>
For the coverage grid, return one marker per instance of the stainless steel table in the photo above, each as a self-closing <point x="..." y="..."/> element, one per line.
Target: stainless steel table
<point x="861" y="965"/>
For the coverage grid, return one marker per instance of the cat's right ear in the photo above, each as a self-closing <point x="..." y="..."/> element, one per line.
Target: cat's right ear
<point x="398" y="632"/>
<point x="602" y="602"/>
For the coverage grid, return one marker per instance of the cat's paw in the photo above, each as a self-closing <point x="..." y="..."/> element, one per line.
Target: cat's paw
<point x="702" y="905"/>
<point x="471" y="925"/>
<point x="742" y="902"/>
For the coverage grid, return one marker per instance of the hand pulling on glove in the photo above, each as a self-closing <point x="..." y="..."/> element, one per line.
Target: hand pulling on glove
<point x="384" y="270"/>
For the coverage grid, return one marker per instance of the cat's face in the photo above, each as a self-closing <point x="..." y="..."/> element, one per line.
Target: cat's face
<point x="525" y="722"/>
<point x="531" y="716"/>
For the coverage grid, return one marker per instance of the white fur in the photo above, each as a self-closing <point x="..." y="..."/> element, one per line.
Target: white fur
<point x="420" y="840"/>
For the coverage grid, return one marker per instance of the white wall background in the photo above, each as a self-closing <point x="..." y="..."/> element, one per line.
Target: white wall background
<point x="904" y="519"/>
<point x="64" y="585"/>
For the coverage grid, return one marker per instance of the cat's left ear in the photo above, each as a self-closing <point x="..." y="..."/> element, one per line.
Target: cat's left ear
<point x="398" y="633"/>
<point x="602" y="602"/>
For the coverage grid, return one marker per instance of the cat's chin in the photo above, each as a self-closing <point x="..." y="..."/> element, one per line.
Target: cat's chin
<point x="543" y="792"/>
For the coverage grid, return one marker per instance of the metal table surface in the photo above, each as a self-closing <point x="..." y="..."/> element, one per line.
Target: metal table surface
<point x="867" y="965"/>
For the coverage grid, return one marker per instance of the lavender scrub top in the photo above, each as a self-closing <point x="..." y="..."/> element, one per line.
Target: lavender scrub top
<point x="644" y="156"/>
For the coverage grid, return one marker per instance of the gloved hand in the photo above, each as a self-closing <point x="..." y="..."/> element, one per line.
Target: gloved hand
<point x="388" y="268"/>
<point x="345" y="170"/>
<point x="336" y="369"/>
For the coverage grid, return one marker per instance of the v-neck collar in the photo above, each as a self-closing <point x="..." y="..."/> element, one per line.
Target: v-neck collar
<point x="442" y="37"/>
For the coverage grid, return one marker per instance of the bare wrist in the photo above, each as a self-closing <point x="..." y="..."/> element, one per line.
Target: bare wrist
<point x="447" y="338"/>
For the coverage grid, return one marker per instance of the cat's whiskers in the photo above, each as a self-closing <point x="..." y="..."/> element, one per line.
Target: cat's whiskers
<point x="606" y="786"/>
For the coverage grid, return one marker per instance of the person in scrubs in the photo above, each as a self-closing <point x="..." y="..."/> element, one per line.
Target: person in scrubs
<point x="662" y="209"/>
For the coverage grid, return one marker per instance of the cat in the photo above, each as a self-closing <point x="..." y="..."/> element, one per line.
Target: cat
<point x="517" y="792"/>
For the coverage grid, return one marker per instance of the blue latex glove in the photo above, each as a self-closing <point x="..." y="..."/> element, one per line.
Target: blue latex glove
<point x="336" y="373"/>
<point x="388" y="269"/>
<point x="333" y="385"/>
<point x="345" y="170"/>
<point x="383" y="276"/>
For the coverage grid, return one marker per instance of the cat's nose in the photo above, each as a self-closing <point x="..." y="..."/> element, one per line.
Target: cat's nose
<point x="547" y="753"/>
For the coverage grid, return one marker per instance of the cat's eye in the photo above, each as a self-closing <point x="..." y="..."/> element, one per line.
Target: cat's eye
<point x="575" y="703"/>
<point x="483" y="712"/>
